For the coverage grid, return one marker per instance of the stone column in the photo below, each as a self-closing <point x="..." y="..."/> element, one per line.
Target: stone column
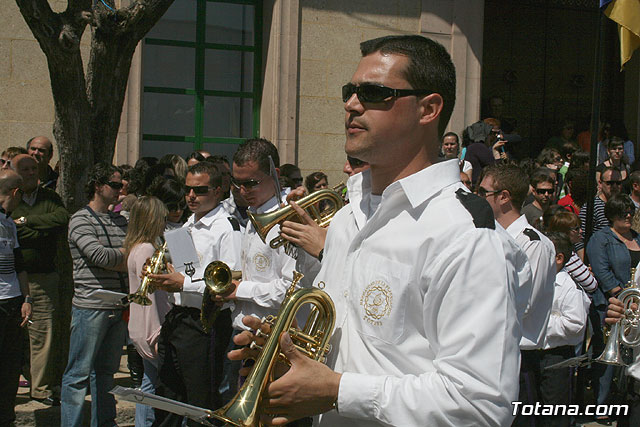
<point x="458" y="26"/>
<point x="279" y="108"/>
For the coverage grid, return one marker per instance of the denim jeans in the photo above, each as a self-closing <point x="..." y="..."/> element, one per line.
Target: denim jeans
<point x="97" y="338"/>
<point x="145" y="415"/>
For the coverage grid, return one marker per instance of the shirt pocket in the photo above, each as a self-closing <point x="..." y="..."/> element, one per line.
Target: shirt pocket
<point x="380" y="301"/>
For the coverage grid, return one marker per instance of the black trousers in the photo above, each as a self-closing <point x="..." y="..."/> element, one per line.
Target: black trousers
<point x="11" y="351"/>
<point x="184" y="369"/>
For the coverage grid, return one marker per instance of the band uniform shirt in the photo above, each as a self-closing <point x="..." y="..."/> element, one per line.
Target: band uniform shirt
<point x="9" y="285"/>
<point x="569" y="313"/>
<point x="426" y="329"/>
<point x="266" y="273"/>
<point x="215" y="240"/>
<point x="541" y="255"/>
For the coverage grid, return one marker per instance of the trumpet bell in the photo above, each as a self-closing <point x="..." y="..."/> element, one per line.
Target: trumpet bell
<point x="139" y="298"/>
<point x="217" y="277"/>
<point x="611" y="354"/>
<point x="264" y="222"/>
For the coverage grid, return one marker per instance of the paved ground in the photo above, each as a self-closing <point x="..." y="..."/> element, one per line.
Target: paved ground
<point x="31" y="413"/>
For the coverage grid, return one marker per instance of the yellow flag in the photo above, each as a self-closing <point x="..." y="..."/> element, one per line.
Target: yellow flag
<point x="627" y="14"/>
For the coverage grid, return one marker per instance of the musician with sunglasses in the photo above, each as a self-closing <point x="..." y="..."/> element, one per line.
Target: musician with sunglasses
<point x="184" y="348"/>
<point x="423" y="284"/>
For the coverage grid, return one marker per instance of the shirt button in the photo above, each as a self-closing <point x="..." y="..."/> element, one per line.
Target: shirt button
<point x="346" y="294"/>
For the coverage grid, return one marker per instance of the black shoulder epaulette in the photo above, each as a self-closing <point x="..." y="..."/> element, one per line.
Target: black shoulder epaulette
<point x="234" y="223"/>
<point x="479" y="209"/>
<point x="531" y="234"/>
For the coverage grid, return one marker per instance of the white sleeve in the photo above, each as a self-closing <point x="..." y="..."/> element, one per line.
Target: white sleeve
<point x="270" y="294"/>
<point x="470" y="321"/>
<point x="571" y="317"/>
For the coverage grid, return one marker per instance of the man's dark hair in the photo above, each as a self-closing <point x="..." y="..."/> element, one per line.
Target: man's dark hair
<point x="287" y="169"/>
<point x="215" y="176"/>
<point x="579" y="159"/>
<point x="610" y="169"/>
<point x="511" y="178"/>
<point x="578" y="179"/>
<point x="617" y="206"/>
<point x="99" y="175"/>
<point x="312" y="179"/>
<point x="430" y="67"/>
<point x="547" y="156"/>
<point x="615" y="142"/>
<point x="257" y="150"/>
<point x="634" y="177"/>
<point x="451" y="134"/>
<point x="217" y="159"/>
<point x="562" y="244"/>
<point x="541" y="175"/>
<point x="195" y="155"/>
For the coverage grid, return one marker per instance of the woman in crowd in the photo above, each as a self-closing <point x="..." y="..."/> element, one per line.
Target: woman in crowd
<point x="316" y="181"/>
<point x="171" y="192"/>
<point x="617" y="159"/>
<point x="146" y="225"/>
<point x="612" y="251"/>
<point x="451" y="150"/>
<point x="559" y="219"/>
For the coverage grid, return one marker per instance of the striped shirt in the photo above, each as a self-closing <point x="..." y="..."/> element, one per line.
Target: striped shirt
<point x="580" y="274"/>
<point x="600" y="221"/>
<point x="92" y="251"/>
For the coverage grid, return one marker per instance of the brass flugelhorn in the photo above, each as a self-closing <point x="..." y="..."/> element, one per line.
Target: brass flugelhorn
<point x="218" y="279"/>
<point x="628" y="325"/>
<point x="266" y="221"/>
<point x="244" y="408"/>
<point x="156" y="265"/>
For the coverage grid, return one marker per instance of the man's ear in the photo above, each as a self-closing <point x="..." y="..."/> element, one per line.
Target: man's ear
<point x="430" y="108"/>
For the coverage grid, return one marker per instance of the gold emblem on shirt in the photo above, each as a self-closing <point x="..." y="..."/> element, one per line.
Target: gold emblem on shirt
<point x="262" y="262"/>
<point x="377" y="302"/>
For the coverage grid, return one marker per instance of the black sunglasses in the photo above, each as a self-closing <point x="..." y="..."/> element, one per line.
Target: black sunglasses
<point x="544" y="190"/>
<point x="613" y="182"/>
<point x="248" y="184"/>
<point x="483" y="192"/>
<point x="368" y="92"/>
<point x="354" y="162"/>
<point x="115" y="185"/>
<point x="174" y="207"/>
<point x="199" y="190"/>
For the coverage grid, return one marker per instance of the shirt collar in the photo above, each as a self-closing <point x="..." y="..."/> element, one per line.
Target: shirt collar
<point x="418" y="187"/>
<point x="270" y="205"/>
<point x="517" y="226"/>
<point x="209" y="218"/>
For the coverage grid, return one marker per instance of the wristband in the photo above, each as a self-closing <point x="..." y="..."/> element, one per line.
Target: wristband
<point x="28" y="299"/>
<point x="320" y="254"/>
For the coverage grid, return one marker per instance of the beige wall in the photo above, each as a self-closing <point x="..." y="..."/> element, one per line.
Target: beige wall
<point x="26" y="104"/>
<point x="330" y="32"/>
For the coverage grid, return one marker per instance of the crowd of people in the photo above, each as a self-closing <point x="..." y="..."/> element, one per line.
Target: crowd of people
<point x="458" y="271"/>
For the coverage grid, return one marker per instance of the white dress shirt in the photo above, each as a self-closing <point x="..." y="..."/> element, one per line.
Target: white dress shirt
<point x="426" y="321"/>
<point x="569" y="313"/>
<point x="215" y="240"/>
<point x="266" y="273"/>
<point x="541" y="254"/>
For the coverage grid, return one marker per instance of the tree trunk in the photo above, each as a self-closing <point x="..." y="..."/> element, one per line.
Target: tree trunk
<point x="87" y="111"/>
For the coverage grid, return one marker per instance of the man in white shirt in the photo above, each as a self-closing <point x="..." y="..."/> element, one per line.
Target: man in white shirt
<point x="426" y="334"/>
<point x="505" y="187"/>
<point x="184" y="372"/>
<point x="565" y="331"/>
